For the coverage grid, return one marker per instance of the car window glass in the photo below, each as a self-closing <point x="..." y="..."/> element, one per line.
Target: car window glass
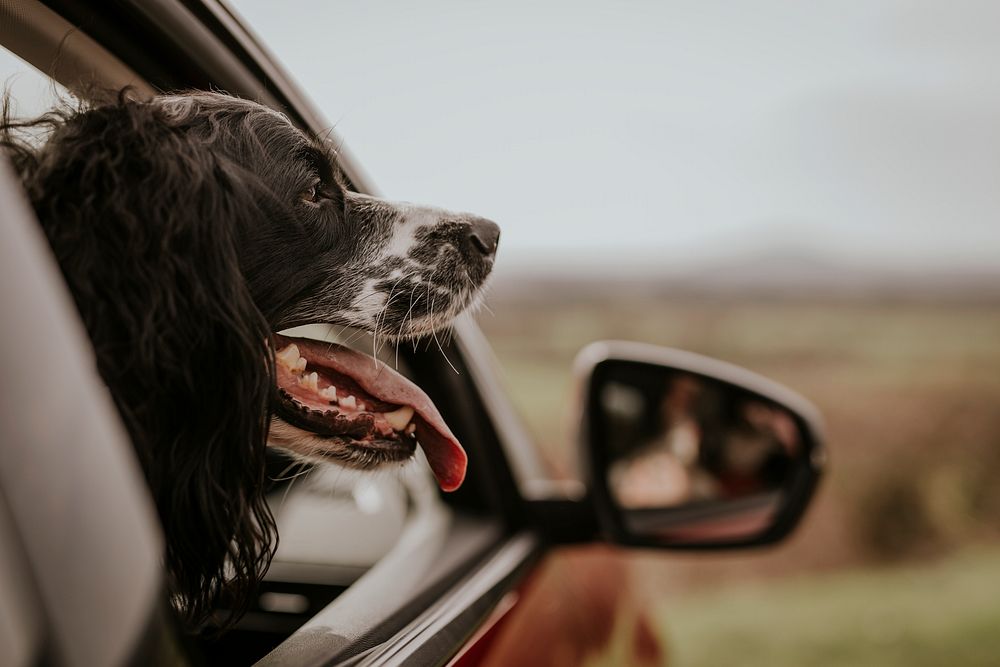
<point x="30" y="91"/>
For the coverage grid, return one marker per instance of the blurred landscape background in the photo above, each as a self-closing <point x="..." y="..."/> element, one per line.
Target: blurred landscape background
<point x="809" y="190"/>
<point x="898" y="560"/>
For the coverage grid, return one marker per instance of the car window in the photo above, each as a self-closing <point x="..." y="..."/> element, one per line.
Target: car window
<point x="30" y="92"/>
<point x="334" y="524"/>
<point x="314" y="508"/>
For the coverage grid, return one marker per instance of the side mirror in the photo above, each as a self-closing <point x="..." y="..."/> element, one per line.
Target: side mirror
<point x="683" y="451"/>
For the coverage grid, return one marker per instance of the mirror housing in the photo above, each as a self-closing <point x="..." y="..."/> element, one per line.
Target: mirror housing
<point x="682" y="451"/>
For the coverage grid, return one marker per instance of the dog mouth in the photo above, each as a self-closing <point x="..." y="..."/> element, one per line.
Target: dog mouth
<point x="359" y="411"/>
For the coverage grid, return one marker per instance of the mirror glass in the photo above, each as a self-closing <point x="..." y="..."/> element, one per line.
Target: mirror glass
<point x="691" y="458"/>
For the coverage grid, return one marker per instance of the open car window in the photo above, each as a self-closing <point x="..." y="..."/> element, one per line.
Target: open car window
<point x="359" y="554"/>
<point x="29" y="91"/>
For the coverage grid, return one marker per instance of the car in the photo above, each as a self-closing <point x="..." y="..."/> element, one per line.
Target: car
<point x="371" y="569"/>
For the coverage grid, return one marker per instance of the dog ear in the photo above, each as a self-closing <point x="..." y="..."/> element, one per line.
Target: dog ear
<point x="144" y="221"/>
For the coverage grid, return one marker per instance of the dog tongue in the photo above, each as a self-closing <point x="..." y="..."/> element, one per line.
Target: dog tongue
<point x="442" y="449"/>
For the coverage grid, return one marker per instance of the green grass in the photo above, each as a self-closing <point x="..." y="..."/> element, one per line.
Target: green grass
<point x="942" y="614"/>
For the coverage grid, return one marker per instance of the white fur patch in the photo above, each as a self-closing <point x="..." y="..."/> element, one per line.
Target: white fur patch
<point x="369" y="302"/>
<point x="403" y="236"/>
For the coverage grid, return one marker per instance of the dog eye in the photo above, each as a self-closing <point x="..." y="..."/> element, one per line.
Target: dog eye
<point x="314" y="194"/>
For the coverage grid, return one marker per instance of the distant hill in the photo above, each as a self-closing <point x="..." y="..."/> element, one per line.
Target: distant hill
<point x="772" y="273"/>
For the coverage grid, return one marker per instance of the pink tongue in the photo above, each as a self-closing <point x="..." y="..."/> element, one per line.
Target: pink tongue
<point x="442" y="449"/>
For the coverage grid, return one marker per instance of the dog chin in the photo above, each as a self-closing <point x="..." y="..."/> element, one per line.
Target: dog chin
<point x="348" y="452"/>
<point x="428" y="325"/>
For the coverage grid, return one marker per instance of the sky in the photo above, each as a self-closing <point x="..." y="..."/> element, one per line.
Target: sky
<point x="671" y="131"/>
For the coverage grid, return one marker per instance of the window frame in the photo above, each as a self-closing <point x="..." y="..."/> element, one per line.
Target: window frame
<point x="176" y="44"/>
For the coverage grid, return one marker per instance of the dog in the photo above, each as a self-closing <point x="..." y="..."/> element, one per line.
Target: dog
<point x="190" y="229"/>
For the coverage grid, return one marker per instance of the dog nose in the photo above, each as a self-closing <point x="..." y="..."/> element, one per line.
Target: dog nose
<point x="484" y="235"/>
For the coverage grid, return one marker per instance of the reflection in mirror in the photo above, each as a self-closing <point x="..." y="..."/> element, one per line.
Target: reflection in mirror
<point x="692" y="458"/>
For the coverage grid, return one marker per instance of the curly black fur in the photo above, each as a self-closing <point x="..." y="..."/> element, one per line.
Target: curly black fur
<point x="189" y="228"/>
<point x="144" y="223"/>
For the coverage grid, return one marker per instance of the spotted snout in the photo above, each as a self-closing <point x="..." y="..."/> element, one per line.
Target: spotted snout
<point x="423" y="266"/>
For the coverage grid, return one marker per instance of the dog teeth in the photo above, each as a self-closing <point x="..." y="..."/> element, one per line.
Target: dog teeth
<point x="349" y="402"/>
<point x="398" y="419"/>
<point x="310" y="381"/>
<point x="290" y="358"/>
<point x="329" y="393"/>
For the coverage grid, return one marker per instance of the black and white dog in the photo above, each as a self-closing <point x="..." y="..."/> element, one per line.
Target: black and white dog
<point x="190" y="229"/>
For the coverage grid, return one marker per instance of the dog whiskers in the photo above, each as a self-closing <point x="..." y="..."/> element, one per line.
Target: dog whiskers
<point x="402" y="325"/>
<point x="380" y="320"/>
<point x="281" y="476"/>
<point x="438" y="342"/>
<point x="291" y="483"/>
<point x="479" y="300"/>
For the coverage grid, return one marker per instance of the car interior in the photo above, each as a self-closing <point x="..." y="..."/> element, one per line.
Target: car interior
<point x="84" y="530"/>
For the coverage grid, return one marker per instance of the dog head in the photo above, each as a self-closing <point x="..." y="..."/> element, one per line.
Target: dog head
<point x="190" y="230"/>
<point x="329" y="255"/>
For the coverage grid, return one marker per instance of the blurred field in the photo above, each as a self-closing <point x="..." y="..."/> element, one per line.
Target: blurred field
<point x="910" y="391"/>
<point x="946" y="613"/>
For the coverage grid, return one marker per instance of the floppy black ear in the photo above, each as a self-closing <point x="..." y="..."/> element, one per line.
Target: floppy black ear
<point x="144" y="222"/>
